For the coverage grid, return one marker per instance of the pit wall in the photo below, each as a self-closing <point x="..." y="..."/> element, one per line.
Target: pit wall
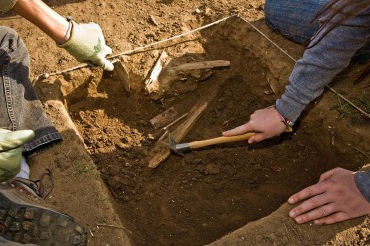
<point x="91" y="205"/>
<point x="278" y="228"/>
<point x="274" y="229"/>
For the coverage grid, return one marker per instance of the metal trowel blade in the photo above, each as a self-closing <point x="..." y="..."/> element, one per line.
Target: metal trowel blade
<point x="122" y="75"/>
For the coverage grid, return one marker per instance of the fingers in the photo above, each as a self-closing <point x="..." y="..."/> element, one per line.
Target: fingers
<point x="10" y="163"/>
<point x="333" y="218"/>
<point x="238" y="130"/>
<point x="103" y="62"/>
<point x="258" y="137"/>
<point x="108" y="66"/>
<point x="322" y="215"/>
<point x="265" y="122"/>
<point x="316" y="207"/>
<point x="12" y="139"/>
<point x="244" y="129"/>
<point x="106" y="51"/>
<point x="326" y="175"/>
<point x="306" y="193"/>
<point x="87" y="44"/>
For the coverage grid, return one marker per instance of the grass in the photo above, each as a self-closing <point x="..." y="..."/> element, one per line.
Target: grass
<point x="345" y="110"/>
<point x="80" y="168"/>
<point x="365" y="100"/>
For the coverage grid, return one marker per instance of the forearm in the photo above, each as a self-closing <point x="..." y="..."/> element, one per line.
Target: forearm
<point x="49" y="21"/>
<point x="320" y="64"/>
<point x="84" y="41"/>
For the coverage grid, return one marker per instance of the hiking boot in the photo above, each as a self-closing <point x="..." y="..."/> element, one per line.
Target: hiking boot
<point x="34" y="189"/>
<point x="25" y="218"/>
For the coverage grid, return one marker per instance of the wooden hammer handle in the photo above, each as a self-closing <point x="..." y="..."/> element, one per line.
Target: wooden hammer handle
<point x="218" y="140"/>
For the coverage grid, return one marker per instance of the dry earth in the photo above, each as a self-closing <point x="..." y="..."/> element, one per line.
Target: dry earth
<point x="200" y="197"/>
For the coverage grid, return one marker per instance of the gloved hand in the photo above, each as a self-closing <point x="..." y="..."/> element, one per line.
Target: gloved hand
<point x="87" y="44"/>
<point x="11" y="151"/>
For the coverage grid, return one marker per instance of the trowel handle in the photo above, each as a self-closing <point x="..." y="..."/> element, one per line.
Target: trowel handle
<point x="213" y="141"/>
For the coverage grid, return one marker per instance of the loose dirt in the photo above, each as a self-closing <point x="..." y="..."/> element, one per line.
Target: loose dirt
<point x="208" y="193"/>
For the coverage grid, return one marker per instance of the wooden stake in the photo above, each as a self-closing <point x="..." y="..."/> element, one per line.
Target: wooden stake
<point x="161" y="150"/>
<point x="164" y="118"/>
<point x="152" y="83"/>
<point x="203" y="65"/>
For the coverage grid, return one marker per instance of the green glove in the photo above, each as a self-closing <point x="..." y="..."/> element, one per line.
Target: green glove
<point x="87" y="44"/>
<point x="11" y="151"/>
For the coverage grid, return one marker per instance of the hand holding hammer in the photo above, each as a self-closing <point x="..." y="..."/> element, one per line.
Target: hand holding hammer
<point x="183" y="147"/>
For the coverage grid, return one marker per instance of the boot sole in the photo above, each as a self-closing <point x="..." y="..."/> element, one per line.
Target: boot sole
<point x="25" y="221"/>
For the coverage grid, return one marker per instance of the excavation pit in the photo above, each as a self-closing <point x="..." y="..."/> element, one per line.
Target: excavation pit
<point x="200" y="197"/>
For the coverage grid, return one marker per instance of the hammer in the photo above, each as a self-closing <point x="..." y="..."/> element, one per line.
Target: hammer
<point x="183" y="147"/>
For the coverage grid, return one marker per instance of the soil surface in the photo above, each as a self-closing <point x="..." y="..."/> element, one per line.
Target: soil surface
<point x="207" y="193"/>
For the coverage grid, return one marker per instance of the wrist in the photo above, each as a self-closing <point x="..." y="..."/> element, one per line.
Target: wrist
<point x="67" y="34"/>
<point x="288" y="123"/>
<point x="283" y="119"/>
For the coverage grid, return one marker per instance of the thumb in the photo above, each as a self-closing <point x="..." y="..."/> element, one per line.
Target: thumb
<point x="326" y="175"/>
<point x="106" y="50"/>
<point x="258" y="137"/>
<point x="107" y="65"/>
<point x="13" y="139"/>
<point x="104" y="62"/>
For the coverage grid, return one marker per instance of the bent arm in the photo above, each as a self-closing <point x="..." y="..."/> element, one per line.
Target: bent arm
<point x="321" y="63"/>
<point x="85" y="42"/>
<point x="37" y="12"/>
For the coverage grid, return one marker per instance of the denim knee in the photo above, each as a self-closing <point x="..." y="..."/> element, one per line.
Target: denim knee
<point x="293" y="19"/>
<point x="19" y="106"/>
<point x="10" y="39"/>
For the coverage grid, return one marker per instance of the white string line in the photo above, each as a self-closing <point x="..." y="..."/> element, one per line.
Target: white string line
<point x="45" y="75"/>
<point x="174" y="37"/>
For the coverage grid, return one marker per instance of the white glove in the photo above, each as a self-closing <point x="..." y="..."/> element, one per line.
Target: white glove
<point x="11" y="151"/>
<point x="87" y="44"/>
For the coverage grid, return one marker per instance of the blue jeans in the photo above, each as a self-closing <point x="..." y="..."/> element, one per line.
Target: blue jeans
<point x="20" y="108"/>
<point x="293" y="19"/>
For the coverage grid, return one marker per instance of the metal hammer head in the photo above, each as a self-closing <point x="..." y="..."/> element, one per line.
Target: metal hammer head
<point x="178" y="149"/>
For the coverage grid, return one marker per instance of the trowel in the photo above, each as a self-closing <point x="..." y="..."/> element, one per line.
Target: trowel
<point x="122" y="74"/>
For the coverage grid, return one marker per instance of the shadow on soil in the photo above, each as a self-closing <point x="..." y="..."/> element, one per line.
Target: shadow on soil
<point x="197" y="198"/>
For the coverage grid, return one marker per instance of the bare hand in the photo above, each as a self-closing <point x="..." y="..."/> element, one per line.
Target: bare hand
<point x="333" y="199"/>
<point x="266" y="122"/>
